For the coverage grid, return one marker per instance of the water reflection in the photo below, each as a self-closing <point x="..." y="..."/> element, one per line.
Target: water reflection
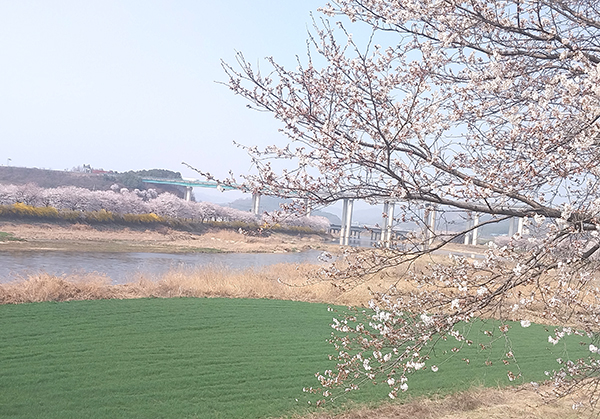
<point x="124" y="267"/>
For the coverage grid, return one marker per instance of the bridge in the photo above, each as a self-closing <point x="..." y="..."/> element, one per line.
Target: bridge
<point x="346" y="230"/>
<point x="189" y="184"/>
<point x="374" y="231"/>
<point x="384" y="233"/>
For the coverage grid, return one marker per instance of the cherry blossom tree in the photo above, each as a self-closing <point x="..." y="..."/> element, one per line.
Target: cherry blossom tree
<point x="67" y="197"/>
<point x="28" y="194"/>
<point x="8" y="194"/>
<point x="206" y="211"/>
<point x="233" y="214"/>
<point x="122" y="201"/>
<point x="484" y="107"/>
<point x="169" y="205"/>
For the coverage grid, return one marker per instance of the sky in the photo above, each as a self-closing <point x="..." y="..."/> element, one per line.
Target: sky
<point x="129" y="85"/>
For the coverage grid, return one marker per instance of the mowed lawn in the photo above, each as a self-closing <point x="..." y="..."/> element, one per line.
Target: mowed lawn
<point x="211" y="358"/>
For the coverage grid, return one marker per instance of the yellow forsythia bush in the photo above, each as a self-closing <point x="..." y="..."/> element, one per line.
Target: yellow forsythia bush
<point x="143" y="218"/>
<point x="24" y="210"/>
<point x="70" y="215"/>
<point x="46" y="212"/>
<point x="101" y="216"/>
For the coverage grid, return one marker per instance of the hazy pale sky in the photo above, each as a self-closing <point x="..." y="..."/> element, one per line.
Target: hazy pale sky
<point x="128" y="85"/>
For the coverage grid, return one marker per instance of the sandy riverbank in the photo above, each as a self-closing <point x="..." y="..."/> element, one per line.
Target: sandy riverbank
<point x="26" y="236"/>
<point x="82" y="237"/>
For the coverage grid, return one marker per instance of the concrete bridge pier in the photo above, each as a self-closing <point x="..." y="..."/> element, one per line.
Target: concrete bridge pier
<point x="188" y="193"/>
<point x="255" y="203"/>
<point x="387" y="223"/>
<point x="515" y="226"/>
<point x="471" y="237"/>
<point x="430" y="214"/>
<point x="375" y="235"/>
<point x="307" y="206"/>
<point x="346" y="221"/>
<point x="476" y="230"/>
<point x="520" y="225"/>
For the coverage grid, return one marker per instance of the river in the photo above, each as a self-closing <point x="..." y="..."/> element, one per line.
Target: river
<point x="125" y="267"/>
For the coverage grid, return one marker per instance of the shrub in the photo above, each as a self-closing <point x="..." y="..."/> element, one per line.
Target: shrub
<point x="150" y="218"/>
<point x="70" y="215"/>
<point x="20" y="209"/>
<point x="101" y="216"/>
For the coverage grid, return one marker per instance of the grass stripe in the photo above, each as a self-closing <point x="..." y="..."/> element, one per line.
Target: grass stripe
<point x="158" y="357"/>
<point x="209" y="358"/>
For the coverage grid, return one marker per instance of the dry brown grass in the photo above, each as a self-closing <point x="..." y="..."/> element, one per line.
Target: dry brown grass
<point x="282" y="281"/>
<point x="477" y="403"/>
<point x="44" y="287"/>
<point x="206" y="282"/>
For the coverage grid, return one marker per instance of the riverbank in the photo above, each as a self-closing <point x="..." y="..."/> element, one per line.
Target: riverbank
<point x="266" y="283"/>
<point x="160" y="239"/>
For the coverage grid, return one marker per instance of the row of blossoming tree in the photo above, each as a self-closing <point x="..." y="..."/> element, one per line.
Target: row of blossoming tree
<point x="488" y="106"/>
<point x="122" y="201"/>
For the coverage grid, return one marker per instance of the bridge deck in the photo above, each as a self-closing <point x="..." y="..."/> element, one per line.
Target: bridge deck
<point x="192" y="183"/>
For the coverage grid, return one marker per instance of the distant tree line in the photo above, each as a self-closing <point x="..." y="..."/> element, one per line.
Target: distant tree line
<point x="122" y="201"/>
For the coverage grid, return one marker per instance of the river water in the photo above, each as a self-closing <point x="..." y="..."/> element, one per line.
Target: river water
<point x="125" y="267"/>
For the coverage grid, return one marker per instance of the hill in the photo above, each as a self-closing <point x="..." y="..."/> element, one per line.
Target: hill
<point x="270" y="203"/>
<point x="94" y="181"/>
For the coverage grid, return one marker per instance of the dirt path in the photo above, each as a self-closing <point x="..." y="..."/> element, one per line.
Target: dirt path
<point x="82" y="237"/>
<point x="479" y="403"/>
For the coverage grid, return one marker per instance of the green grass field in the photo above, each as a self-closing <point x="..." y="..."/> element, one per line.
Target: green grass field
<point x="207" y="358"/>
<point x="8" y="237"/>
